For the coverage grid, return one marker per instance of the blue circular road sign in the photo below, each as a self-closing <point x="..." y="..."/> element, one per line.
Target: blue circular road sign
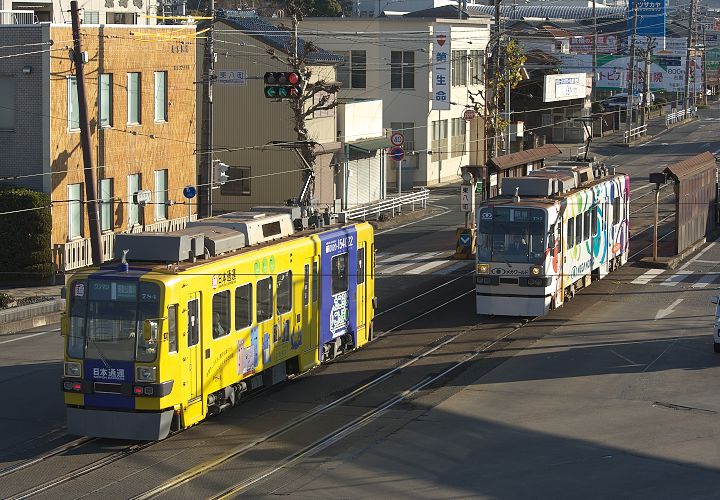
<point x="189" y="192"/>
<point x="397" y="153"/>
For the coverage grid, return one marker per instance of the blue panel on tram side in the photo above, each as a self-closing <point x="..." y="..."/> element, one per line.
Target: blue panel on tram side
<point x="338" y="270"/>
<point x="111" y="373"/>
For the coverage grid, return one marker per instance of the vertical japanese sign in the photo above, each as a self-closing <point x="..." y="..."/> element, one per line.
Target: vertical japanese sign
<point x="441" y="67"/>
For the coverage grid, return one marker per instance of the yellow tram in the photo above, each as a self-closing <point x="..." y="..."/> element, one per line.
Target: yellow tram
<point x="192" y="319"/>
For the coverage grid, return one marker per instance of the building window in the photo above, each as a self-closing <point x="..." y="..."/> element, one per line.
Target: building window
<point x="402" y="69"/>
<point x="457" y="131"/>
<point x="91" y="17"/>
<point x="330" y="101"/>
<point x="238" y="183"/>
<point x="161" y="194"/>
<point x="120" y="18"/>
<point x="133" y="90"/>
<point x="459" y="67"/>
<point x="106" y="205"/>
<point x="7" y="103"/>
<point x="75" y="211"/>
<point x="161" y="96"/>
<point x="73" y="104"/>
<point x="408" y="130"/>
<point x="105" y="104"/>
<point x="352" y="74"/>
<point x="221" y="314"/>
<point x="439" y="140"/>
<point x="477" y="71"/>
<point x="133" y="184"/>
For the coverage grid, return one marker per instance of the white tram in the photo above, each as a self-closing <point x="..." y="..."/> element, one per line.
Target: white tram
<point x="549" y="234"/>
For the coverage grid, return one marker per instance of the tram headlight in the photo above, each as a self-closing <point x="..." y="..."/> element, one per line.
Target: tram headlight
<point x="536" y="271"/>
<point x="483" y="268"/>
<point x="72" y="369"/>
<point x="145" y="374"/>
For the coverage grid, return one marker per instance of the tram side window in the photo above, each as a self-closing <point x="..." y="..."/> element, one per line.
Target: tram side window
<point x="78" y="311"/>
<point x="264" y="299"/>
<point x="361" y="266"/>
<point x="616" y="210"/>
<point x="284" y="292"/>
<point x="221" y="314"/>
<point x="193" y="323"/>
<point x="306" y="286"/>
<point x="570" y="232"/>
<point x="578" y="229"/>
<point x="315" y="282"/>
<point x="243" y="306"/>
<point x="339" y="273"/>
<point x="586" y="225"/>
<point x="594" y="220"/>
<point x="172" y="328"/>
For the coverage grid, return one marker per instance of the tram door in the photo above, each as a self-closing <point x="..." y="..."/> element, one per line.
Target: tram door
<point x="193" y="361"/>
<point x="362" y="289"/>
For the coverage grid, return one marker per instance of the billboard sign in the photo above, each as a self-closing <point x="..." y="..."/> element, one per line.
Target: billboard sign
<point x="650" y="17"/>
<point x="565" y="86"/>
<point x="606" y="44"/>
<point x="441" y="67"/>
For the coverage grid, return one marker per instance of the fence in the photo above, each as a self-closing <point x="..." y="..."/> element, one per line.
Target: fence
<point x="17" y="17"/>
<point x="391" y="205"/>
<point x="679" y="115"/>
<point x="634" y="134"/>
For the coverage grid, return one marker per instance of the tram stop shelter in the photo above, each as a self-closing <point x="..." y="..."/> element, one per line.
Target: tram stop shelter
<point x="695" y="200"/>
<point x="515" y="165"/>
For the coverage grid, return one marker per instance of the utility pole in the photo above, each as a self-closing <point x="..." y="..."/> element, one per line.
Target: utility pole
<point x="704" y="68"/>
<point x="507" y="106"/>
<point x="690" y="53"/>
<point x="647" y="53"/>
<point x="89" y="169"/>
<point x="206" y="168"/>
<point x="492" y="150"/>
<point x="631" y="72"/>
<point x="594" y="54"/>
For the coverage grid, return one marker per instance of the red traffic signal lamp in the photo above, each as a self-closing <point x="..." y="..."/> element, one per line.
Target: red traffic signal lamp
<point x="283" y="85"/>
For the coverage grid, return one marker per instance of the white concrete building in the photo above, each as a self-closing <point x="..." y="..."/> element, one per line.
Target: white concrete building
<point x="142" y="12"/>
<point x="391" y="59"/>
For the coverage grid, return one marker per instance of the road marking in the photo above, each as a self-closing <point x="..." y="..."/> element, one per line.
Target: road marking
<point x="647" y="277"/>
<point x="676" y="278"/>
<point x="419" y="258"/>
<point x="29" y="336"/>
<point x="394" y="258"/>
<point x="427" y="267"/>
<point x="704" y="281"/>
<point x="454" y="267"/>
<point x="699" y="254"/>
<point x="668" y="310"/>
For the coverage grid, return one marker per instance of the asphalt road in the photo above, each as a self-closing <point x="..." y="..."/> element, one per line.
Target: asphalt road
<point x="610" y="396"/>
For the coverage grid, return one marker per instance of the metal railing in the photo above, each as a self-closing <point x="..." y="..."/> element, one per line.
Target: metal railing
<point x="679" y="115"/>
<point x="581" y="150"/>
<point x="77" y="254"/>
<point x="391" y="205"/>
<point x="634" y="134"/>
<point x="17" y="17"/>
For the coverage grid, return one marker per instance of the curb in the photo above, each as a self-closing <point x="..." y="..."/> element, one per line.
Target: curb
<point x="17" y="319"/>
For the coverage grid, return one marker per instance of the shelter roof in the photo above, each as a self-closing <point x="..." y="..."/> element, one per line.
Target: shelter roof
<point x="524" y="157"/>
<point x="691" y="166"/>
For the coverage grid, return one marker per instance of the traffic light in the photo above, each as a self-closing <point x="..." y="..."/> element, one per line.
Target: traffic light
<point x="283" y="85"/>
<point x="220" y="173"/>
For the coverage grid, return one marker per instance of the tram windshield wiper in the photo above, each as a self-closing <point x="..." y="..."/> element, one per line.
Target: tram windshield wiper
<point x="99" y="351"/>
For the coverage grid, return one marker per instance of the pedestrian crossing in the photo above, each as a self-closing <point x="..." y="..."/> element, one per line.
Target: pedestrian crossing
<point x="684" y="277"/>
<point x="419" y="263"/>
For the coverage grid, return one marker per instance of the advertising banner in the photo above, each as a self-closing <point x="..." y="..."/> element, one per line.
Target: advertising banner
<point x="606" y="44"/>
<point x="565" y="86"/>
<point x="650" y="17"/>
<point x="441" y="68"/>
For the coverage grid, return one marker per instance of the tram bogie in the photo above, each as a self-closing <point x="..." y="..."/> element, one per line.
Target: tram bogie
<point x="548" y="235"/>
<point x="197" y="318"/>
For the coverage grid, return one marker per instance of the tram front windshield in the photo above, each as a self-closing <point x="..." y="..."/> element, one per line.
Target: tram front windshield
<point x="512" y="235"/>
<point x="106" y="319"/>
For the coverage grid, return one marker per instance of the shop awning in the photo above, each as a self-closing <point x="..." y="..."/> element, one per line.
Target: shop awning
<point x="369" y="146"/>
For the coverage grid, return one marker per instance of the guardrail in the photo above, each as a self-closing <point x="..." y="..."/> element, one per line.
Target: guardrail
<point x="17" y="17"/>
<point x="581" y="150"/>
<point x="679" y="115"/>
<point x="392" y="205"/>
<point x="634" y="134"/>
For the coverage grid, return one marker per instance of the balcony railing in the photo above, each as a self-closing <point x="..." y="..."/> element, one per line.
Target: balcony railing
<point x="18" y="17"/>
<point x="77" y="254"/>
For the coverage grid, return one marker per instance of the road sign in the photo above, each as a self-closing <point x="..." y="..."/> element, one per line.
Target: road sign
<point x="467" y="198"/>
<point x="143" y="197"/>
<point x="397" y="153"/>
<point x="231" y="77"/>
<point x="469" y="114"/>
<point x="465" y="239"/>
<point x="397" y="139"/>
<point x="189" y="192"/>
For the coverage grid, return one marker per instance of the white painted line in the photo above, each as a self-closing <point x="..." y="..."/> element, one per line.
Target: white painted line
<point x="668" y="310"/>
<point x="699" y="254"/>
<point x="413" y="222"/>
<point x="427" y="267"/>
<point x="26" y="337"/>
<point x="419" y="259"/>
<point x="647" y="277"/>
<point x="704" y="280"/>
<point x="454" y="267"/>
<point x="394" y="258"/>
<point x="676" y="278"/>
<point x="706" y="261"/>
